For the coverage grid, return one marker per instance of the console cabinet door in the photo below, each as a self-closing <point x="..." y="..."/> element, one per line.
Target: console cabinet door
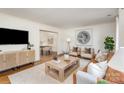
<point x="2" y="62"/>
<point x="31" y="56"/>
<point x="22" y="57"/>
<point x="11" y="60"/>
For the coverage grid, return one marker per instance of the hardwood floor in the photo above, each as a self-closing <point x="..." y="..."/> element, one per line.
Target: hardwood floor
<point x="4" y="75"/>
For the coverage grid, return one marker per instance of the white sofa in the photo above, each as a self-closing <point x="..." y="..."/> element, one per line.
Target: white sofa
<point x="81" y="52"/>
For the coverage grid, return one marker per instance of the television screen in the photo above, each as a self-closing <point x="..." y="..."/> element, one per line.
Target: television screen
<point x="12" y="36"/>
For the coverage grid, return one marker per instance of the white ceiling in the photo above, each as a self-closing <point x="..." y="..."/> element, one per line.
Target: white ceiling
<point x="65" y="17"/>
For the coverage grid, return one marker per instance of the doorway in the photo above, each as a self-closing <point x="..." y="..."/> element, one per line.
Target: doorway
<point x="48" y="43"/>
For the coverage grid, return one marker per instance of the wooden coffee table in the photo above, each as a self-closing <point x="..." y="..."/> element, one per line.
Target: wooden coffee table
<point x="62" y="70"/>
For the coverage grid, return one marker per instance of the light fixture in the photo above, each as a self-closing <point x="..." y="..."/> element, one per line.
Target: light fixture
<point x="68" y="44"/>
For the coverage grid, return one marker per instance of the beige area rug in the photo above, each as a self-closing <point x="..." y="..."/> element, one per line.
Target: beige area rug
<point x="36" y="75"/>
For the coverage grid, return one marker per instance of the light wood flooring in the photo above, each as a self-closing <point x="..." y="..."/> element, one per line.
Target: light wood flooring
<point x="4" y="75"/>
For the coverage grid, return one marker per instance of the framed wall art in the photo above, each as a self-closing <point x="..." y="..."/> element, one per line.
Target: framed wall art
<point x="84" y="37"/>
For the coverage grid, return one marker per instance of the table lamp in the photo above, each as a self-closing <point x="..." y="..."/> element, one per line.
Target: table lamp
<point x="66" y="55"/>
<point x="68" y="44"/>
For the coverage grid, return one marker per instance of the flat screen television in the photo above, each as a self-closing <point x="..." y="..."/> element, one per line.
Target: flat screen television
<point x="13" y="36"/>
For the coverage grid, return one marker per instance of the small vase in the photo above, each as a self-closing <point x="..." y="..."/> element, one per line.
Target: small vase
<point x="66" y="57"/>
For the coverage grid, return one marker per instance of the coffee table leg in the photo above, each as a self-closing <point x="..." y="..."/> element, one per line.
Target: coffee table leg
<point x="61" y="75"/>
<point x="78" y="63"/>
<point x="46" y="69"/>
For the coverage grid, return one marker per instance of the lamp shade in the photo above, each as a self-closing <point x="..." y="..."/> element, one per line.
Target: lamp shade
<point x="68" y="40"/>
<point x="117" y="61"/>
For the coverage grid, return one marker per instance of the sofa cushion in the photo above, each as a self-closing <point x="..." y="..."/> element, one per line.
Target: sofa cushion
<point x="86" y="55"/>
<point x="75" y="49"/>
<point x="88" y="50"/>
<point x="73" y="53"/>
<point x="82" y="49"/>
<point x="98" y="70"/>
<point x="115" y="76"/>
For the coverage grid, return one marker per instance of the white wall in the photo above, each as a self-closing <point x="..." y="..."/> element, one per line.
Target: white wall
<point x="117" y="33"/>
<point x="121" y="27"/>
<point x="7" y="21"/>
<point x="100" y="31"/>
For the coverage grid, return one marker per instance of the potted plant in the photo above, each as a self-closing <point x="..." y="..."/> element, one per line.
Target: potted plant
<point x="29" y="46"/>
<point x="109" y="45"/>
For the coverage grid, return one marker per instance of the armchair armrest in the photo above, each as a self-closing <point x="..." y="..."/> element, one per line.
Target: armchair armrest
<point x="74" y="74"/>
<point x="85" y="78"/>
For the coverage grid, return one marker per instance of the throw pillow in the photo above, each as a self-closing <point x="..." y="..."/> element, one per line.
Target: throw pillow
<point x="88" y="50"/>
<point x="101" y="57"/>
<point x="98" y="70"/>
<point x="102" y="82"/>
<point x="115" y="76"/>
<point x="75" y="49"/>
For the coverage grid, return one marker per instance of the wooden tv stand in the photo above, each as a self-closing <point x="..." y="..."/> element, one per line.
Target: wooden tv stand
<point x="13" y="59"/>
